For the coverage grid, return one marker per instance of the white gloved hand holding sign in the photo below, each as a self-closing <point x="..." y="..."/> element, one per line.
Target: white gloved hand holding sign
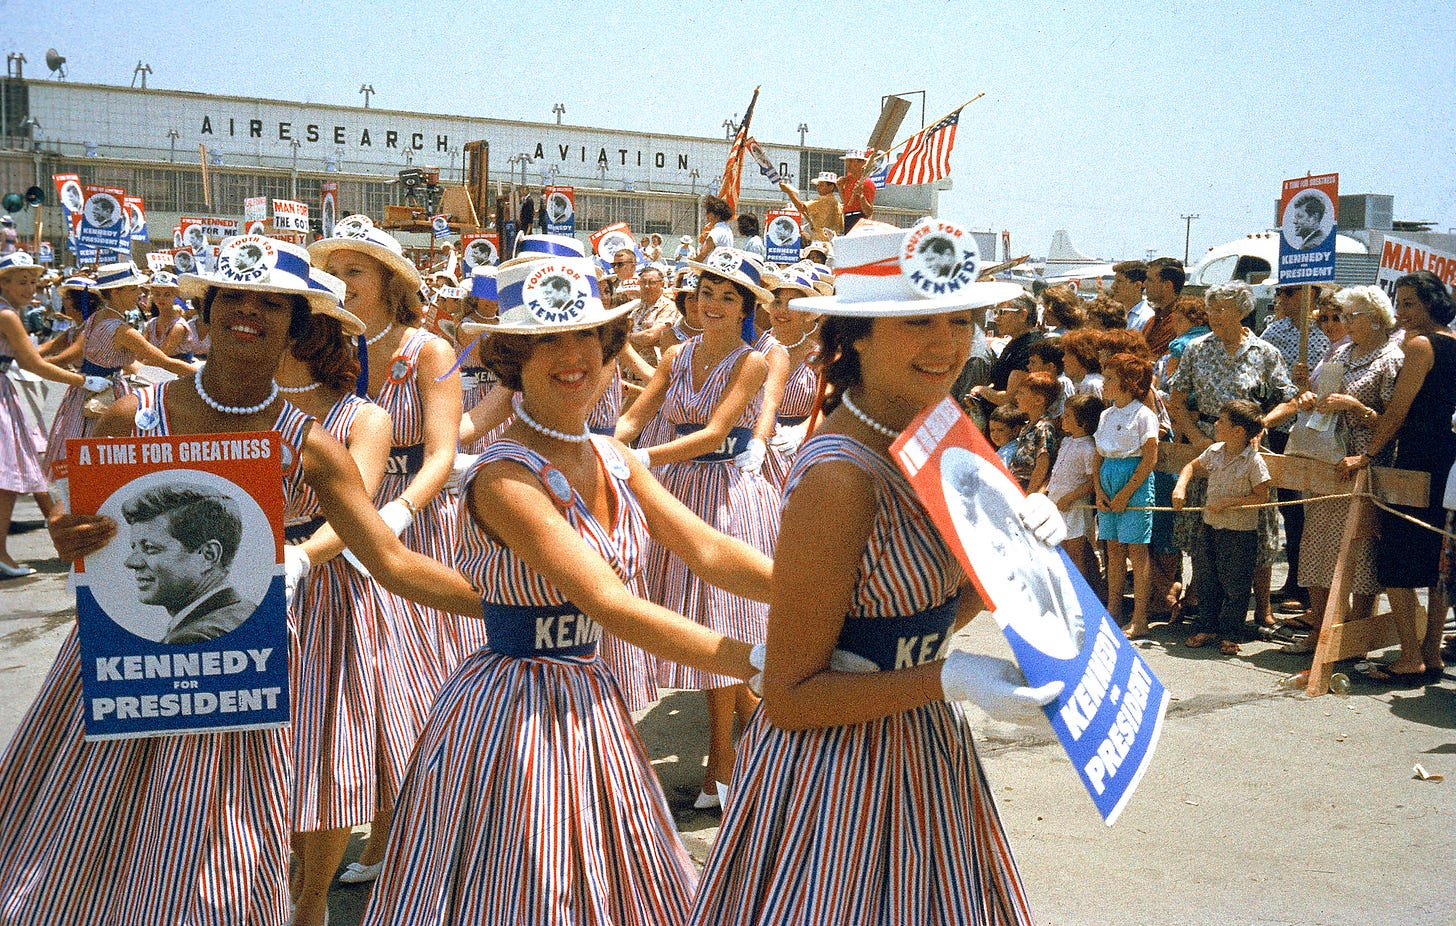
<point x="750" y="460"/>
<point x="1039" y="514"/>
<point x="295" y="567"/>
<point x="97" y="384"/>
<point x="996" y="686"/>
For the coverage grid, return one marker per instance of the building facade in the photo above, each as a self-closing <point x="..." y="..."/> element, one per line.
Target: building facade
<point x="149" y="142"/>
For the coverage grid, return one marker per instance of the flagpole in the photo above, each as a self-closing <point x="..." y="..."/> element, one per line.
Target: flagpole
<point x="951" y="113"/>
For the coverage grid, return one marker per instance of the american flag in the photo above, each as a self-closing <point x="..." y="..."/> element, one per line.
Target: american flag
<point x="732" y="181"/>
<point x="927" y="155"/>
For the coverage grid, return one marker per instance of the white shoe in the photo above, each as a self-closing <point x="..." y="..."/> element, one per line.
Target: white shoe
<point x="722" y="793"/>
<point x="360" y="874"/>
<point x="707" y="801"/>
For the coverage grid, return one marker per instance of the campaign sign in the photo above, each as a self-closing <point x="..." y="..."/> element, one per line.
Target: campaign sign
<point x="440" y="225"/>
<point x="136" y="218"/>
<point x="255" y="227"/>
<point x="1110" y="714"/>
<point x="46" y="254"/>
<point x="609" y="240"/>
<point x="198" y="230"/>
<point x="184" y="260"/>
<point x="159" y="260"/>
<point x="480" y="250"/>
<point x="1307" y="225"/>
<point x="103" y="219"/>
<point x="182" y="621"/>
<point x="1399" y="256"/>
<point x="560" y="210"/>
<point x="328" y="206"/>
<point x="784" y="235"/>
<point x="290" y="216"/>
<point x="255" y="209"/>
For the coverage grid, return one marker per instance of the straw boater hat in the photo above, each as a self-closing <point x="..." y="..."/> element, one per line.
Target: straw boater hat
<point x="17" y="261"/>
<point x="267" y="265"/>
<point x="796" y="278"/>
<point x="826" y="176"/>
<point x="357" y="233"/>
<point x="541" y="247"/>
<point x="113" y="276"/>
<point x="547" y="297"/>
<point x="738" y="266"/>
<point x="881" y="270"/>
<point x="163" y="280"/>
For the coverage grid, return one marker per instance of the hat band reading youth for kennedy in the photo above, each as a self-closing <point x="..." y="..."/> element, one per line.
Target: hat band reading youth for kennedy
<point x="515" y="293"/>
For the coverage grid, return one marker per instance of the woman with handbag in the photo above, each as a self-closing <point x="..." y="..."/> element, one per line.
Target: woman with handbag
<point x="1365" y="370"/>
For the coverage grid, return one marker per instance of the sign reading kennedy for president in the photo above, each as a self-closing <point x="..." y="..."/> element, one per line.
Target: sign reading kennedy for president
<point x="182" y="618"/>
<point x="1110" y="712"/>
<point x="1307" y="224"/>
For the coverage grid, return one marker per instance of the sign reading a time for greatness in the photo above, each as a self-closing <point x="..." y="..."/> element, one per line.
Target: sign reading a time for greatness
<point x="1307" y="228"/>
<point x="182" y="620"/>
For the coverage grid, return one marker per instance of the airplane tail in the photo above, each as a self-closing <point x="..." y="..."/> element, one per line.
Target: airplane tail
<point x="1062" y="251"/>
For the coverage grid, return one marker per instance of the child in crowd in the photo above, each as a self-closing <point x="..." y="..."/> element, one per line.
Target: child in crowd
<point x="1079" y="360"/>
<point x="1127" y="451"/>
<point x="1071" y="485"/>
<point x="1047" y="357"/>
<point x="1038" y="445"/>
<point x="1237" y="476"/>
<point x="1004" y="431"/>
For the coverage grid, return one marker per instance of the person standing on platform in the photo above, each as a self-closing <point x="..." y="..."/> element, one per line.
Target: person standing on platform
<point x="856" y="191"/>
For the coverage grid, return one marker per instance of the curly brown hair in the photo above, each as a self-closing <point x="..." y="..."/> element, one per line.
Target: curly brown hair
<point x="1063" y="307"/>
<point x="839" y="361"/>
<point x="332" y="359"/>
<point x="505" y="354"/>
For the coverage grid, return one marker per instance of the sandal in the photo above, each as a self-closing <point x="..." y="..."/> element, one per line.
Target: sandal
<point x="1200" y="640"/>
<point x="1228" y="647"/>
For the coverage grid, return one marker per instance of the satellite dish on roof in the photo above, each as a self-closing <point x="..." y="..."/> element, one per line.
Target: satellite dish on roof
<point x="56" y="62"/>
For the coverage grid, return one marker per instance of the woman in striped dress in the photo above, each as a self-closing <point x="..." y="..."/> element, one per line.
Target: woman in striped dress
<point x="858" y="796"/>
<point x="190" y="828"/>
<point x="403" y="375"/>
<point x="487" y="407"/>
<point x="20" y="471"/>
<point x="110" y="346"/>
<point x="530" y="798"/>
<point x="793" y="380"/>
<point x="346" y="746"/>
<point x="659" y="429"/>
<point x="167" y="330"/>
<point x="711" y="388"/>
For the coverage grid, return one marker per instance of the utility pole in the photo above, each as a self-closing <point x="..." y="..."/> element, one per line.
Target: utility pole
<point x="1187" y="233"/>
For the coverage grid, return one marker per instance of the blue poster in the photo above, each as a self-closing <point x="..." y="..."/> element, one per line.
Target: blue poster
<point x="181" y="619"/>
<point x="103" y="220"/>
<point x="1110" y="713"/>
<point x="1308" y="225"/>
<point x="559" y="210"/>
<point x="783" y="236"/>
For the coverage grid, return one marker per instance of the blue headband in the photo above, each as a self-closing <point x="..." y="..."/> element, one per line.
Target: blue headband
<point x="541" y="246"/>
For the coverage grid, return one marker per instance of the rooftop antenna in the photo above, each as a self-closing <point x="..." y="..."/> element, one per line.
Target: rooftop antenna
<point x="367" y="90"/>
<point x="141" y="70"/>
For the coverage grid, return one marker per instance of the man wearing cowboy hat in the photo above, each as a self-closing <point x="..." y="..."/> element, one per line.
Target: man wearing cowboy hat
<point x="825" y="217"/>
<point x="855" y="189"/>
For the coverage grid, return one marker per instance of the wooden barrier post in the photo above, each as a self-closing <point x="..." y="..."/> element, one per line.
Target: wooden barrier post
<point x="1340" y="638"/>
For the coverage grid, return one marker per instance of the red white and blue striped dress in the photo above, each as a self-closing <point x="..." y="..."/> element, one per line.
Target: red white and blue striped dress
<point x="635" y="668"/>
<point x="889" y="821"/>
<point x="20" y="469"/>
<point x="476" y="382"/>
<point x="530" y="798"/>
<point x="800" y="391"/>
<point x="425" y="643"/>
<point x="349" y="738"/>
<point x="174" y="829"/>
<point x="99" y="357"/>
<point x="739" y="504"/>
<point x="156" y="337"/>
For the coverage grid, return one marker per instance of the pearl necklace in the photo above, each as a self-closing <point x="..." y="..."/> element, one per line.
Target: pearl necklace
<point x="370" y="342"/>
<point x="801" y="340"/>
<point x="217" y="406"/>
<point x="519" y="405"/>
<point x="872" y="424"/>
<point x="294" y="390"/>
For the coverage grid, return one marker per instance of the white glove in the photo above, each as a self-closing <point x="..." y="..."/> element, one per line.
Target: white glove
<point x="463" y="462"/>
<point x="353" y="560"/>
<point x="788" y="437"/>
<point x="750" y="460"/>
<point x="295" y="567"/>
<point x="1040" y="515"/>
<point x="996" y="686"/>
<point x="97" y="384"/>
<point x="396" y="516"/>
<point x="642" y="456"/>
<point x="841" y="660"/>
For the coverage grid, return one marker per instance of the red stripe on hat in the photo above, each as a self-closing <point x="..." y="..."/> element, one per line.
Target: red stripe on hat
<point x="887" y="267"/>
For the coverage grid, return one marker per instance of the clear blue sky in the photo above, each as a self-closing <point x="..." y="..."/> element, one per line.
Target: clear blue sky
<point x="1109" y="120"/>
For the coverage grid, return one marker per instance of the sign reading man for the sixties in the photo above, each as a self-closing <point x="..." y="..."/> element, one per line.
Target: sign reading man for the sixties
<point x="182" y="620"/>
